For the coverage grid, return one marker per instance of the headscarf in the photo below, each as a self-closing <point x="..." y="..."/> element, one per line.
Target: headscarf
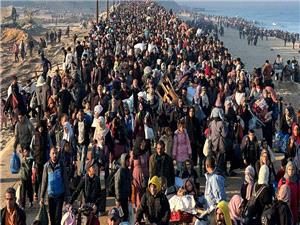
<point x="156" y="181"/>
<point x="263" y="175"/>
<point x="223" y="206"/>
<point x="286" y="176"/>
<point x="249" y="178"/>
<point x="272" y="92"/>
<point x="284" y="193"/>
<point x="296" y="138"/>
<point x="68" y="135"/>
<point x="234" y="207"/>
<point x="101" y="130"/>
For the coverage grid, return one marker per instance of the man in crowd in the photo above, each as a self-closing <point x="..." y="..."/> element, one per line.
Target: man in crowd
<point x="161" y="164"/>
<point x="56" y="184"/>
<point x="12" y="214"/>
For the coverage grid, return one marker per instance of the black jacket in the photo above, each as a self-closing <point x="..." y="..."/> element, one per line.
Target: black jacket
<point x="155" y="208"/>
<point x="265" y="198"/>
<point x="284" y="213"/>
<point x="123" y="180"/>
<point x="21" y="216"/>
<point x="162" y="166"/>
<point x="91" y="190"/>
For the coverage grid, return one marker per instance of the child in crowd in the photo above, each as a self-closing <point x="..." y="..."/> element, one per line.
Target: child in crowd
<point x="25" y="175"/>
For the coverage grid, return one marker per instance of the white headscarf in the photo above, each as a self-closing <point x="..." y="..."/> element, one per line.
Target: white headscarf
<point x="263" y="175"/>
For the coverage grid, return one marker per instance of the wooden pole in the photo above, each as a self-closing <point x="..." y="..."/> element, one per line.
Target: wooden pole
<point x="97" y="11"/>
<point x="107" y="13"/>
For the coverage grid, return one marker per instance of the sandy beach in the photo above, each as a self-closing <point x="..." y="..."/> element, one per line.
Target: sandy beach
<point x="255" y="56"/>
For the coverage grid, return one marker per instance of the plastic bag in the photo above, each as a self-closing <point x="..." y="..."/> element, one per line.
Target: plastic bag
<point x="207" y="147"/>
<point x="15" y="163"/>
<point x="42" y="216"/>
<point x="149" y="134"/>
<point x="68" y="218"/>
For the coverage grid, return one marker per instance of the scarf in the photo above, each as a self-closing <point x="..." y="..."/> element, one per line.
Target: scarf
<point x="234" y="207"/>
<point x="284" y="193"/>
<point x="293" y="178"/>
<point x="68" y="135"/>
<point x="223" y="206"/>
<point x="296" y="138"/>
<point x="263" y="175"/>
<point x="249" y="178"/>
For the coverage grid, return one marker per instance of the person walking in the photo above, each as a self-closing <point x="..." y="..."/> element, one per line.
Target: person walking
<point x="56" y="184"/>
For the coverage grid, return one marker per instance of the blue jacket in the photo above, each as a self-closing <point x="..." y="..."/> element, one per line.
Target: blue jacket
<point x="214" y="190"/>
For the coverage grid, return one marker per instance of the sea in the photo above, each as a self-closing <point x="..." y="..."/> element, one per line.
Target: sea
<point x="282" y="15"/>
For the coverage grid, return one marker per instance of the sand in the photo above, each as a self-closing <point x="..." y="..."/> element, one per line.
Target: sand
<point x="255" y="56"/>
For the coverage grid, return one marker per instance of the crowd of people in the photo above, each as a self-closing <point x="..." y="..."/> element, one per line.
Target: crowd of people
<point x="143" y="108"/>
<point x="250" y="30"/>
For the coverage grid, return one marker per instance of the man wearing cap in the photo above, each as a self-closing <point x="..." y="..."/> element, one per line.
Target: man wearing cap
<point x="155" y="205"/>
<point x="90" y="185"/>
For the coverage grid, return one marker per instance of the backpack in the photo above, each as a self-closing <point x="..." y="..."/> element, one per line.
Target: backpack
<point x="268" y="216"/>
<point x="249" y="212"/>
<point x="15" y="163"/>
<point x="56" y="186"/>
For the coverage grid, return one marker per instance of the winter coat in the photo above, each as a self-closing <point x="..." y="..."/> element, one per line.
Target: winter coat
<point x="20" y="216"/>
<point x="283" y="213"/>
<point x="50" y="167"/>
<point x="155" y="208"/>
<point x="181" y="146"/>
<point x="265" y="198"/>
<point x="42" y="95"/>
<point x="249" y="150"/>
<point x="26" y="171"/>
<point x="91" y="189"/>
<point x="218" y="133"/>
<point x="23" y="133"/>
<point x="40" y="146"/>
<point x="168" y="140"/>
<point x="123" y="180"/>
<point x="162" y="166"/>
<point x="295" y="196"/>
<point x="86" y="129"/>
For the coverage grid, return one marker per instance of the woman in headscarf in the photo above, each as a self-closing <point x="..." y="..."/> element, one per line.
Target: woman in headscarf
<point x="235" y="209"/>
<point x="293" y="142"/>
<point x="247" y="186"/>
<point x="265" y="159"/>
<point x="290" y="179"/>
<point x="283" y="206"/>
<point x="265" y="197"/>
<point x="287" y="120"/>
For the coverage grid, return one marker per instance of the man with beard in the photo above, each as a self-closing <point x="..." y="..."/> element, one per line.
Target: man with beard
<point x="222" y="214"/>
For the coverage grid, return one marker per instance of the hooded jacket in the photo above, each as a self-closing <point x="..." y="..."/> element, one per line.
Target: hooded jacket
<point x="123" y="180"/>
<point x="91" y="189"/>
<point x="155" y="208"/>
